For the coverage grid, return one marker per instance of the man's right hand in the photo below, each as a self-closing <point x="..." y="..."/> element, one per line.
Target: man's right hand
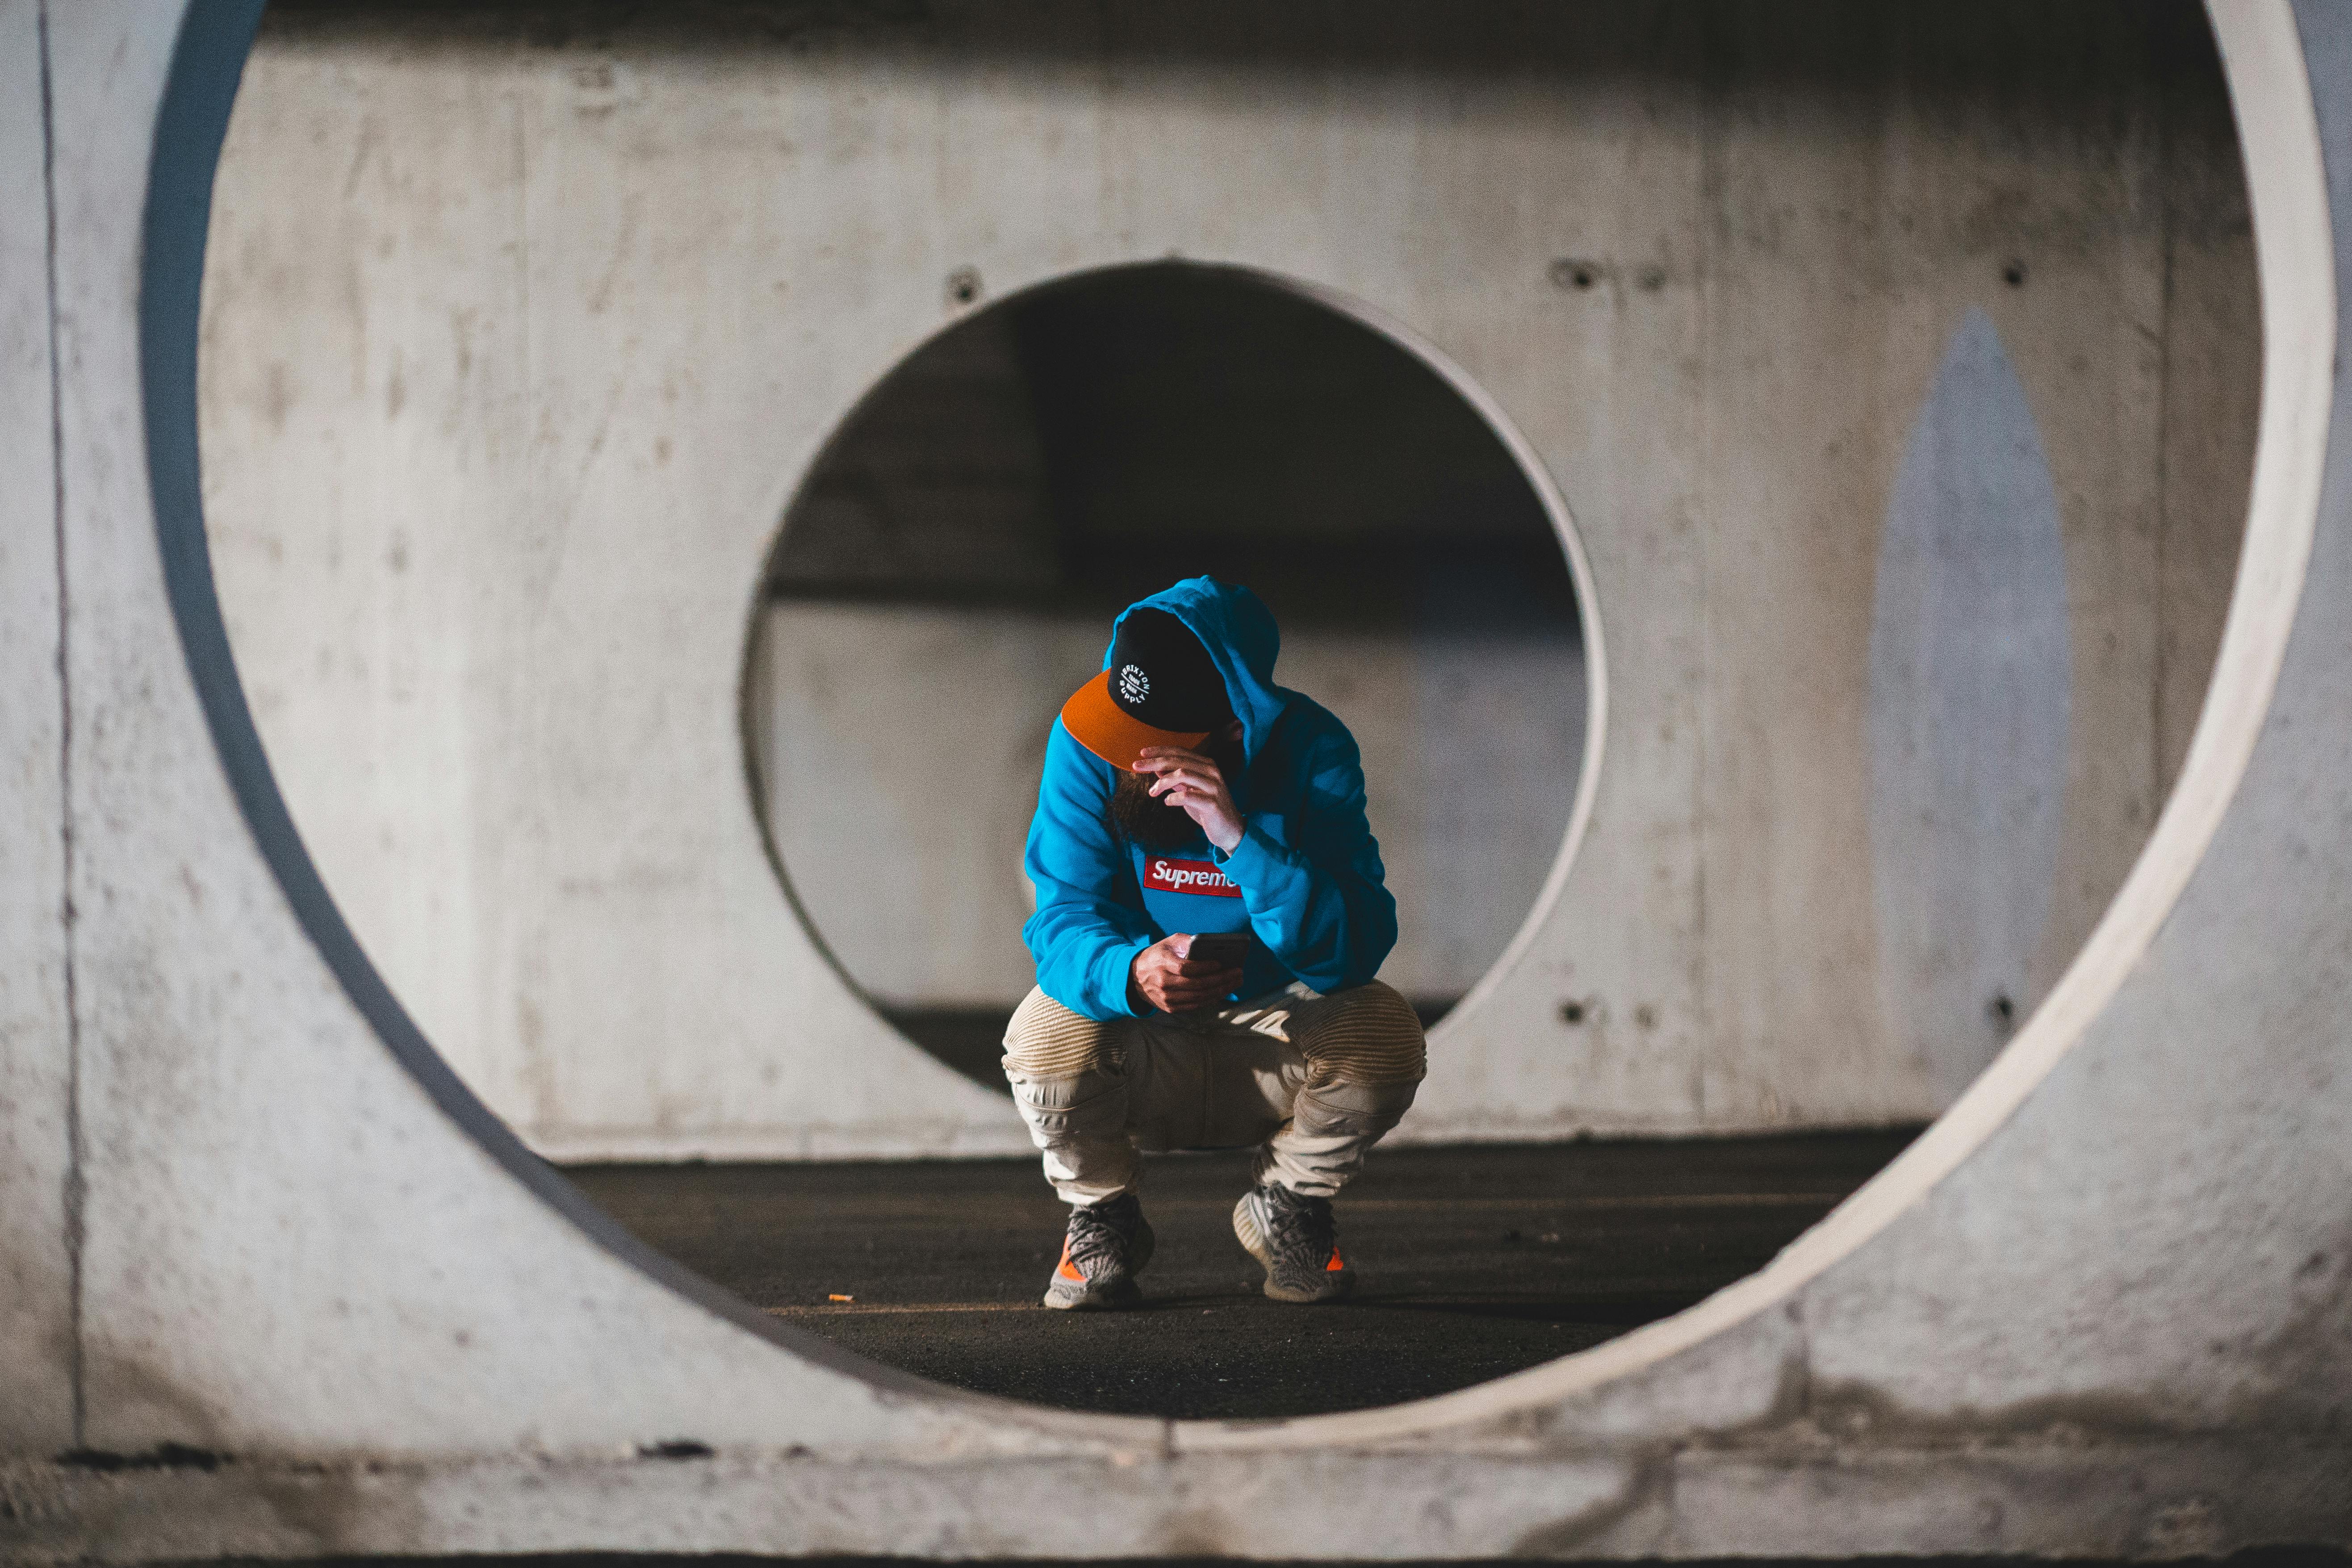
<point x="1165" y="975"/>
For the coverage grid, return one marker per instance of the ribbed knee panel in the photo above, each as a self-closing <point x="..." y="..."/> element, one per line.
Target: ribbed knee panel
<point x="1046" y="1040"/>
<point x="1368" y="1036"/>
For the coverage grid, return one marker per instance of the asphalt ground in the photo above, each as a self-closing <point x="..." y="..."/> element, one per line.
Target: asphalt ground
<point x="1472" y="1262"/>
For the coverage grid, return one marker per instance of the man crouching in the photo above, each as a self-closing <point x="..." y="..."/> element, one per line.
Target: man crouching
<point x="1210" y="916"/>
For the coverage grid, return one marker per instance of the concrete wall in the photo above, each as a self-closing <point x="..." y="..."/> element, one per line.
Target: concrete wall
<point x="326" y="1305"/>
<point x="36" y="1302"/>
<point x="519" y="338"/>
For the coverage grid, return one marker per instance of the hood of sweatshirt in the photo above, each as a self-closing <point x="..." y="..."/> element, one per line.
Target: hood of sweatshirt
<point x="1238" y="630"/>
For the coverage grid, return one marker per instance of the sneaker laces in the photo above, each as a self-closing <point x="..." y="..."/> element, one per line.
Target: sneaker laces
<point x="1101" y="1232"/>
<point x="1299" y="1227"/>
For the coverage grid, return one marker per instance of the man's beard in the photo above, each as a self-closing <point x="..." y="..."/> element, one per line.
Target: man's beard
<point x="1155" y="824"/>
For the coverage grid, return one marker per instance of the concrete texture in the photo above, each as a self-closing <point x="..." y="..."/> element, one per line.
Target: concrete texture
<point x="184" y="1230"/>
<point x="328" y="1304"/>
<point x="1969" y="672"/>
<point x="520" y="337"/>
<point x="36" y="1300"/>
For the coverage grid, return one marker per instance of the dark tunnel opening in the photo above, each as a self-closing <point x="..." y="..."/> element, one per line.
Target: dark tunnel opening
<point x="1000" y="495"/>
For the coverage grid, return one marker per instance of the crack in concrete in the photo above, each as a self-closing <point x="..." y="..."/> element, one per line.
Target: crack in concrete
<point x="1649" y="1487"/>
<point x="75" y="1189"/>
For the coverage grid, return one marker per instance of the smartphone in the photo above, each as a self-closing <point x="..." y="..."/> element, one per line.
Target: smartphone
<point x="1230" y="947"/>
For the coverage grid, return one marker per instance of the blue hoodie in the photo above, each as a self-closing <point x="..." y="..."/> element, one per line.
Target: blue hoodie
<point x="1305" y="880"/>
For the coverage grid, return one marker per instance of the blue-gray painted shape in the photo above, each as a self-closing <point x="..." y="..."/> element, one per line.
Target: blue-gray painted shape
<point x="1969" y="675"/>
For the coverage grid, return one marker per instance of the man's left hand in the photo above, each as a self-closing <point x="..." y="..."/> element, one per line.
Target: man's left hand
<point x="1189" y="780"/>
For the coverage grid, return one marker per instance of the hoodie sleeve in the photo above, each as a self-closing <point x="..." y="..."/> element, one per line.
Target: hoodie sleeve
<point x="1320" y="905"/>
<point x="1084" y="935"/>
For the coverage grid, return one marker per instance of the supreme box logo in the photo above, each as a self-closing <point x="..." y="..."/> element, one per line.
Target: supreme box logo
<point x="1197" y="877"/>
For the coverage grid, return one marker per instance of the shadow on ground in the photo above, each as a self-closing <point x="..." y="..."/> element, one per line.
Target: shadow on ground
<point x="1474" y="1262"/>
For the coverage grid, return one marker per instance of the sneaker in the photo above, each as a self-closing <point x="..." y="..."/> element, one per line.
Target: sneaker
<point x="1297" y="1240"/>
<point x="1107" y="1247"/>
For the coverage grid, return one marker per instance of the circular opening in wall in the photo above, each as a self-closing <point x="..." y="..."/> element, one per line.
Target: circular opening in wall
<point x="489" y="426"/>
<point x="950" y="568"/>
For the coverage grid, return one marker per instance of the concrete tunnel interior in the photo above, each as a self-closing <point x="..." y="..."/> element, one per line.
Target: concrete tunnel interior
<point x="2023" y="495"/>
<point x="1049" y="459"/>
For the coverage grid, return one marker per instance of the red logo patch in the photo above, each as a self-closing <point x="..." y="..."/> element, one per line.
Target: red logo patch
<point x="1196" y="877"/>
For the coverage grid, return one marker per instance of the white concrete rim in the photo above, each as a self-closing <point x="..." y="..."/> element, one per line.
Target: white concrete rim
<point x="2278" y="131"/>
<point x="1498" y="422"/>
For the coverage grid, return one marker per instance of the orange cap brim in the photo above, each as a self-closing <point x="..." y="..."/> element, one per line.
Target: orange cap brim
<point x="1104" y="728"/>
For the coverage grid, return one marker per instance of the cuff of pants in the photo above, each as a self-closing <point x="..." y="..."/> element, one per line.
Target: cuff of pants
<point x="1321" y="1147"/>
<point x="1080" y="1125"/>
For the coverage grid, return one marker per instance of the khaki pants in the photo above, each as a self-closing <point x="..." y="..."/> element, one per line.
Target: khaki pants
<point x="1314" y="1080"/>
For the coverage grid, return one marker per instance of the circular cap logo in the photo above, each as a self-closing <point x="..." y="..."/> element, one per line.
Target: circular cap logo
<point x="1133" y="684"/>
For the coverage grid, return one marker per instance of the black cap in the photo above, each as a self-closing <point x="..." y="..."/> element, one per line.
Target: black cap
<point x="1161" y="676"/>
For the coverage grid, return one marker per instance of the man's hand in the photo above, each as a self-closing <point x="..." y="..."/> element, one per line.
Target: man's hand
<point x="1168" y="976"/>
<point x="1191" y="780"/>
